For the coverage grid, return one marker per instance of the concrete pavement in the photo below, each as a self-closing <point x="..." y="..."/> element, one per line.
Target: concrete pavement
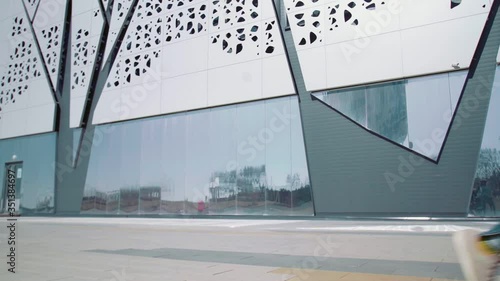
<point x="127" y="249"/>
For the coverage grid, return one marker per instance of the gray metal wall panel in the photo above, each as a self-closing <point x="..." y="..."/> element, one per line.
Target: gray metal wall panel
<point x="347" y="164"/>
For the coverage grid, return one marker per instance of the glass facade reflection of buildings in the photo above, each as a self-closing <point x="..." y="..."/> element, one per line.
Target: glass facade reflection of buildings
<point x="414" y="113"/>
<point x="247" y="158"/>
<point x="240" y="159"/>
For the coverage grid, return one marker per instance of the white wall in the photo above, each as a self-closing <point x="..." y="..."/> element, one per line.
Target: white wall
<point x="389" y="40"/>
<point x="183" y="62"/>
<point x="26" y="101"/>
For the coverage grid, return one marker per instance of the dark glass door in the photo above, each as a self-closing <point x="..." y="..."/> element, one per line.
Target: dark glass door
<point x="11" y="195"/>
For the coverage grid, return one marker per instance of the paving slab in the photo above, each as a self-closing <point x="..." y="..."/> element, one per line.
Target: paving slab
<point x="131" y="249"/>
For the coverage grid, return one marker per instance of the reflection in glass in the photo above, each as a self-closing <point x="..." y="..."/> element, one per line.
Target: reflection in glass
<point x="485" y="200"/>
<point x="129" y="200"/>
<point x="88" y="201"/>
<point x="100" y="201"/>
<point x="173" y="165"/>
<point x="149" y="200"/>
<point x="238" y="159"/>
<point x="386" y="110"/>
<point x="37" y="154"/>
<point x="252" y="166"/>
<point x="112" y="202"/>
<point x="299" y="177"/>
<point x="414" y="112"/>
<point x="103" y="174"/>
<point x="351" y="102"/>
<point x="428" y="111"/>
<point x="198" y="170"/>
<point x="276" y="136"/>
<point x="130" y="166"/>
<point x="223" y="161"/>
<point x="150" y="170"/>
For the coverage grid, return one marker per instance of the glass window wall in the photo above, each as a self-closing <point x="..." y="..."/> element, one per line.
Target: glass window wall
<point x="238" y="159"/>
<point x="414" y="113"/>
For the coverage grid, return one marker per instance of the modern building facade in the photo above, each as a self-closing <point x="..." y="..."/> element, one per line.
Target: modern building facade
<point x="261" y="107"/>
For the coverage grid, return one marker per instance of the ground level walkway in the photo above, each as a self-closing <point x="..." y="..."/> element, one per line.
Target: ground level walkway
<point x="130" y="249"/>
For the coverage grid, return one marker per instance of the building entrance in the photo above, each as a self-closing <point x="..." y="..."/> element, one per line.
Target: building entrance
<point x="12" y="184"/>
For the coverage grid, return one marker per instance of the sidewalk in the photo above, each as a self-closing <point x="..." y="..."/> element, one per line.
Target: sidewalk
<point x="203" y="249"/>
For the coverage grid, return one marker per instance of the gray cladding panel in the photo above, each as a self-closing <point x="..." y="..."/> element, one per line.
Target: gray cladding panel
<point x="348" y="165"/>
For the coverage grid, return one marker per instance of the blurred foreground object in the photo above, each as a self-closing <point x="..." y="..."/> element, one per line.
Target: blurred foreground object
<point x="478" y="253"/>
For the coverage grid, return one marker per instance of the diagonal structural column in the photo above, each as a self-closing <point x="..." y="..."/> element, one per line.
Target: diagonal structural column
<point x="71" y="175"/>
<point x="467" y="128"/>
<point x="297" y="78"/>
<point x="40" y="54"/>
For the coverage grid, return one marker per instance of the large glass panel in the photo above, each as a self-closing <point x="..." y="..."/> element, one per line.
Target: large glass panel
<point x="129" y="180"/>
<point x="386" y="110"/>
<point x="485" y="200"/>
<point x="150" y="177"/>
<point x="414" y="113"/>
<point x="198" y="170"/>
<point x="276" y="137"/>
<point x="299" y="178"/>
<point x="108" y="152"/>
<point x="229" y="160"/>
<point x="102" y="184"/>
<point x="251" y="170"/>
<point x="173" y="151"/>
<point x="223" y="160"/>
<point x="37" y="154"/>
<point x="429" y="100"/>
